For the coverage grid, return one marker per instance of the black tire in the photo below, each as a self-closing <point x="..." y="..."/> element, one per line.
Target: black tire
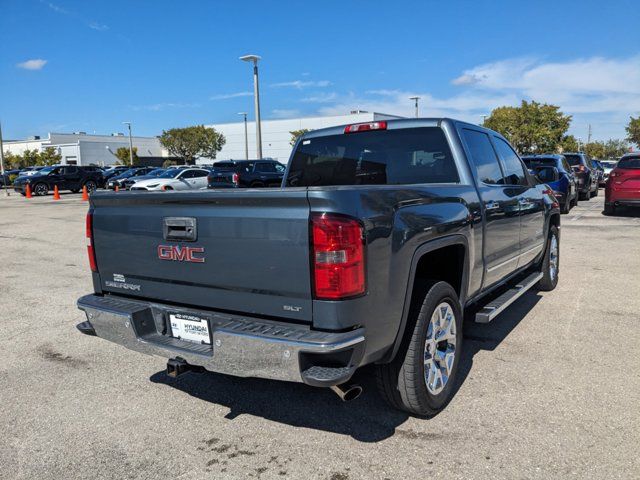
<point x="402" y="382"/>
<point x="91" y="186"/>
<point x="549" y="280"/>
<point x="257" y="185"/>
<point x="585" y="195"/>
<point x="609" y="209"/>
<point x="595" y="194"/>
<point x="565" y="207"/>
<point x="40" y="189"/>
<point x="75" y="191"/>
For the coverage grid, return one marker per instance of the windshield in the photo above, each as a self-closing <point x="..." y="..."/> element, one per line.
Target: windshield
<point x="379" y="157"/>
<point x="573" y="159"/>
<point x="171" y="173"/>
<point x="156" y="172"/>
<point x="131" y="171"/>
<point x="539" y="162"/>
<point x="609" y="164"/>
<point x="47" y="170"/>
<point x="630" y="162"/>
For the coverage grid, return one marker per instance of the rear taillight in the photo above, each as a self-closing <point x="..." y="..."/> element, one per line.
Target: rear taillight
<point x="365" y="127"/>
<point x="235" y="178"/>
<point x="89" y="234"/>
<point x="338" y="257"/>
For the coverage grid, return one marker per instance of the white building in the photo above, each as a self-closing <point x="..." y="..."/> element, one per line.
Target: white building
<point x="276" y="136"/>
<point x="80" y="148"/>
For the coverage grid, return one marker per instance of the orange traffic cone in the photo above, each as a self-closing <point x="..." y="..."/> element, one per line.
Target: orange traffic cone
<point x="28" y="191"/>
<point x="56" y="193"/>
<point x="117" y="188"/>
<point x="85" y="194"/>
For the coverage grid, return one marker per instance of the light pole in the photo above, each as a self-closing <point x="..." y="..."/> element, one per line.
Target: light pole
<point x="415" y="99"/>
<point x="246" y="139"/>
<point x="256" y="98"/>
<point x="128" y="124"/>
<point x="4" y="179"/>
<point x="484" y="119"/>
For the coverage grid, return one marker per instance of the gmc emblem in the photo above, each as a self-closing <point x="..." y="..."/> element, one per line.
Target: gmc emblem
<point x="177" y="253"/>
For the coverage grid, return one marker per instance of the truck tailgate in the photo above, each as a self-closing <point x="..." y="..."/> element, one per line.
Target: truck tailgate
<point x="250" y="254"/>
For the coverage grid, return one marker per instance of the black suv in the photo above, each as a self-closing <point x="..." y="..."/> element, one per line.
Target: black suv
<point x="586" y="174"/>
<point x="246" y="173"/>
<point x="65" y="177"/>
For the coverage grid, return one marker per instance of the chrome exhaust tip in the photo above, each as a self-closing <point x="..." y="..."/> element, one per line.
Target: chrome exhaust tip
<point x="347" y="392"/>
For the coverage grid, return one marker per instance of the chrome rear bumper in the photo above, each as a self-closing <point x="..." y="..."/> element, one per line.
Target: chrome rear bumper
<point x="241" y="346"/>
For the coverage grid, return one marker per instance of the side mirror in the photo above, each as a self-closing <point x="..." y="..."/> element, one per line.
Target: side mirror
<point x="547" y="174"/>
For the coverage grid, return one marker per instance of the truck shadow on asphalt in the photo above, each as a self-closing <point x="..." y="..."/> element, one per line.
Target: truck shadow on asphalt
<point x="366" y="419"/>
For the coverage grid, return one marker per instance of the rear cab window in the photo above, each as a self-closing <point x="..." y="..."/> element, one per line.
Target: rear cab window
<point x="514" y="172"/>
<point x="382" y="157"/>
<point x="629" y="162"/>
<point x="483" y="156"/>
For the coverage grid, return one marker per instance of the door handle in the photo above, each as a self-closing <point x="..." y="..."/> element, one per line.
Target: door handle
<point x="491" y="206"/>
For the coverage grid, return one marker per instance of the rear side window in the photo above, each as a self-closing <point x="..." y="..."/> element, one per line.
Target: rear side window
<point x="513" y="168"/>
<point x="266" y="167"/>
<point x="483" y="156"/>
<point x="383" y="157"/>
<point x="631" y="162"/>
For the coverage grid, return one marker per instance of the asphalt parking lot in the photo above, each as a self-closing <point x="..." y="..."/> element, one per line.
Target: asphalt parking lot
<point x="551" y="389"/>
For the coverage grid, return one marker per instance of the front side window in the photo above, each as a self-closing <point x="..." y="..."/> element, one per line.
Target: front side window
<point x="483" y="156"/>
<point x="379" y="157"/>
<point x="513" y="167"/>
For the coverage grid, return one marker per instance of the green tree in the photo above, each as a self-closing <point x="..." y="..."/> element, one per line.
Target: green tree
<point x="30" y="158"/>
<point x="633" y="130"/>
<point x="12" y="161"/>
<point x="123" y="156"/>
<point x="168" y="163"/>
<point x="569" y="143"/>
<point x="615" y="148"/>
<point x="532" y="127"/>
<point x="296" y="134"/>
<point x="595" y="150"/>
<point x="49" y="156"/>
<point x="192" y="142"/>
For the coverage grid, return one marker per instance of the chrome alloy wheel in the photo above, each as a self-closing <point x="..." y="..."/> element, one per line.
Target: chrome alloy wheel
<point x="440" y="348"/>
<point x="553" y="257"/>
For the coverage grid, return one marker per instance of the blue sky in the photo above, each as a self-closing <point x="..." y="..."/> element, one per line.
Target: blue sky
<point x="88" y="65"/>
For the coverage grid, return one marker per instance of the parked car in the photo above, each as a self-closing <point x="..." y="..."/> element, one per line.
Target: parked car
<point x="623" y="185"/>
<point x="111" y="172"/>
<point x="555" y="171"/>
<point x="128" y="182"/>
<point x="65" y="177"/>
<point x="585" y="174"/>
<point x="608" y="166"/>
<point x="8" y="177"/>
<point x="118" y="180"/>
<point x="600" y="171"/>
<point x="382" y="235"/>
<point x="175" y="179"/>
<point x="246" y="173"/>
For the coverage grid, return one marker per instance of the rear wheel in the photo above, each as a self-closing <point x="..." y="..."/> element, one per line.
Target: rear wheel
<point x="609" y="209"/>
<point x="595" y="194"/>
<point x="257" y="185"/>
<point x="41" y="189"/>
<point x="550" y="262"/>
<point x="565" y="207"/>
<point x="421" y="378"/>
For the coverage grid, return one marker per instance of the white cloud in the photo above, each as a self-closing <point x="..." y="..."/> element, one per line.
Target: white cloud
<point x="156" y="107"/>
<point x="33" y="64"/>
<point x="98" y="26"/>
<point x="320" y="98"/>
<point x="300" y="84"/>
<point x="284" y="113"/>
<point x="226" y="96"/>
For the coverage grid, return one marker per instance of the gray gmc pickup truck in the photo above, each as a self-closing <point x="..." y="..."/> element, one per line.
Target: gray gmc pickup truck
<point x="380" y="237"/>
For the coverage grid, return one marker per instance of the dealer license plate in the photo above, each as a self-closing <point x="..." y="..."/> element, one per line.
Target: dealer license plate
<point x="190" y="328"/>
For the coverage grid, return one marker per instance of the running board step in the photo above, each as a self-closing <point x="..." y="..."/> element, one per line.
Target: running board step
<point x="494" y="308"/>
